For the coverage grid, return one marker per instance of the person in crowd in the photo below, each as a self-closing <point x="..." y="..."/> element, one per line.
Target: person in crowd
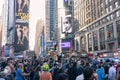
<point x="80" y="77"/>
<point x="95" y="75"/>
<point x="106" y="68"/>
<point x="31" y="76"/>
<point x="55" y="74"/>
<point x="7" y="73"/>
<point x="64" y="65"/>
<point x="45" y="75"/>
<point x="100" y="73"/>
<point x="36" y="74"/>
<point x="62" y="76"/>
<point x="20" y="73"/>
<point x="87" y="64"/>
<point x="118" y="76"/>
<point x="112" y="72"/>
<point x="88" y="73"/>
<point x="80" y="67"/>
<point x="118" y="71"/>
<point x="80" y="72"/>
<point x="11" y="64"/>
<point x="72" y="72"/>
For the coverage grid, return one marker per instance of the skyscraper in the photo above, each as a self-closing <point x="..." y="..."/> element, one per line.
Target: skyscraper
<point x="39" y="33"/>
<point x="50" y="20"/>
<point x="15" y="26"/>
<point x="0" y="33"/>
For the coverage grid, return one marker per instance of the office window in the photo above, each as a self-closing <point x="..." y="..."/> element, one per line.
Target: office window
<point x="89" y="42"/>
<point x="95" y="40"/>
<point x="102" y="38"/>
<point x="102" y="12"/>
<point x="110" y="0"/>
<point x="118" y="32"/>
<point x="111" y="16"/>
<point x="110" y="33"/>
<point x="107" y="10"/>
<point x="101" y="4"/>
<point x="106" y="1"/>
<point x="116" y="4"/>
<point x="97" y="24"/>
<point x="82" y="41"/>
<point x="108" y="18"/>
<point x="111" y="8"/>
<point x="117" y="13"/>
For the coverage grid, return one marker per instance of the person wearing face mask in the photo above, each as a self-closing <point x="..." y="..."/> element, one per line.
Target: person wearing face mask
<point x="7" y="73"/>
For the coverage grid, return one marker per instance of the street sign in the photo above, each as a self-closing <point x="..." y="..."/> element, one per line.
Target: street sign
<point x="49" y="44"/>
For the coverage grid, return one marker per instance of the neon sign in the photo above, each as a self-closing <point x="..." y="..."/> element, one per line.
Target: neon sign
<point x="65" y="44"/>
<point x="66" y="0"/>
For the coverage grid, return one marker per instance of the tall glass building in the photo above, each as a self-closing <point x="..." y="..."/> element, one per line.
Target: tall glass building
<point x="50" y="23"/>
<point x="51" y="19"/>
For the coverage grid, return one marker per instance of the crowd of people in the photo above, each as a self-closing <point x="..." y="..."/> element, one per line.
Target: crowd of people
<point x="64" y="68"/>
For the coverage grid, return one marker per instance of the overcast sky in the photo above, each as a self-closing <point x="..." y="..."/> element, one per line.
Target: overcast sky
<point x="37" y="11"/>
<point x="1" y="2"/>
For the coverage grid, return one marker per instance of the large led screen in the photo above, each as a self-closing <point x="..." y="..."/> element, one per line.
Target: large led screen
<point x="66" y="45"/>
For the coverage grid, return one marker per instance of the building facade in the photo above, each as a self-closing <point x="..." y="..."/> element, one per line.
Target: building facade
<point x="39" y="32"/>
<point x="51" y="22"/>
<point x="0" y="35"/>
<point x="15" y="32"/>
<point x="65" y="26"/>
<point x="7" y="26"/>
<point x="51" y="19"/>
<point x="97" y="27"/>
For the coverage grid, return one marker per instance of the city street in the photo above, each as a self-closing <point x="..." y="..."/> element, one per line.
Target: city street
<point x="59" y="39"/>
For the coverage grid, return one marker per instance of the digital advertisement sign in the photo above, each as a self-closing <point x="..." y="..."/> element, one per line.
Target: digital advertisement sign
<point x="66" y="44"/>
<point x="67" y="25"/>
<point x="21" y="37"/>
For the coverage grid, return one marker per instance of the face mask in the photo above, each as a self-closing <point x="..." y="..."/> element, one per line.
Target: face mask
<point x="5" y="71"/>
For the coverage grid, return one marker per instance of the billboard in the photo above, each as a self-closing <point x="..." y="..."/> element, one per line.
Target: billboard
<point x="21" y="36"/>
<point x="49" y="44"/>
<point x="67" y="25"/>
<point x="66" y="44"/>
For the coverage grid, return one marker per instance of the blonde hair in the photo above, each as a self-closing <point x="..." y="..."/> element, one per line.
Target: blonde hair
<point x="8" y="68"/>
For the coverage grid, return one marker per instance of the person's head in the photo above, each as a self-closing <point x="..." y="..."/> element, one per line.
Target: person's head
<point x="111" y="64"/>
<point x="99" y="66"/>
<point x="74" y="64"/>
<point x="7" y="70"/>
<point x="82" y="62"/>
<point x="45" y="67"/>
<point x="119" y="72"/>
<point x="87" y="64"/>
<point x="20" y="65"/>
<point x="88" y="73"/>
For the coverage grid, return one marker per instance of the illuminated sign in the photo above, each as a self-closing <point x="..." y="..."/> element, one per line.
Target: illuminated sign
<point x="65" y="44"/>
<point x="66" y="0"/>
<point x="67" y="24"/>
<point x="49" y="44"/>
<point x="21" y="37"/>
<point x="20" y="16"/>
